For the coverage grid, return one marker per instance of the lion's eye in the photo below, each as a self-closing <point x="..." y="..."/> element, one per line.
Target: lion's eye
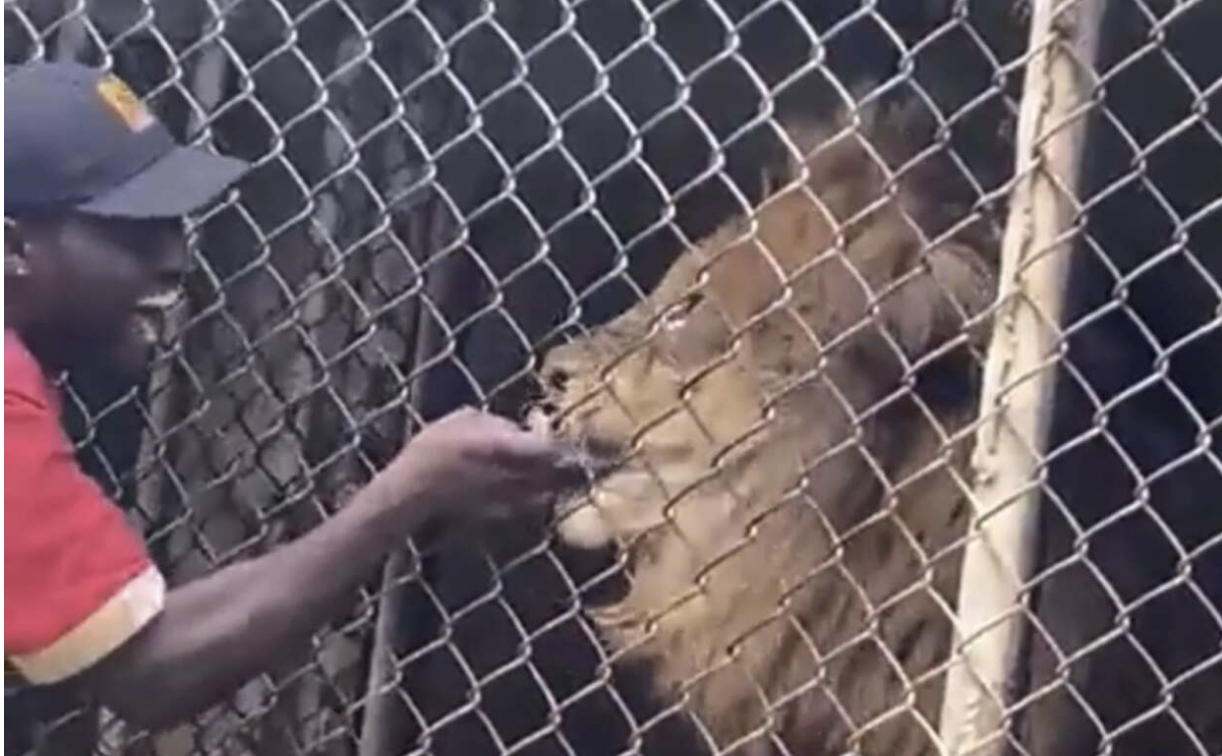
<point x="676" y="316"/>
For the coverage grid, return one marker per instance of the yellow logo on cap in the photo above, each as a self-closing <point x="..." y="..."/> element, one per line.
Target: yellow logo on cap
<point x="124" y="102"/>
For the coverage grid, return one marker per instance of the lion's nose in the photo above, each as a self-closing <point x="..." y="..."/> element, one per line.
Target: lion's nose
<point x="555" y="378"/>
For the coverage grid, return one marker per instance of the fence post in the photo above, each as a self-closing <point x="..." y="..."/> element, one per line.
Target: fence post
<point x="1020" y="375"/>
<point x="383" y="727"/>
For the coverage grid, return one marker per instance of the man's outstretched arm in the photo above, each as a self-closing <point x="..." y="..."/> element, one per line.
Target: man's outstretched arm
<point x="219" y="631"/>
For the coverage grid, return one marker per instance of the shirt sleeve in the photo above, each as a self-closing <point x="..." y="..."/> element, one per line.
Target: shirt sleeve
<point x="78" y="582"/>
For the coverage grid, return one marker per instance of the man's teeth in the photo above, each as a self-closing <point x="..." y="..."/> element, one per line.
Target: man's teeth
<point x="162" y="300"/>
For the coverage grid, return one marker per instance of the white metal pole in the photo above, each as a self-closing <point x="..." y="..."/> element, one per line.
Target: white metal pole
<point x="1020" y="375"/>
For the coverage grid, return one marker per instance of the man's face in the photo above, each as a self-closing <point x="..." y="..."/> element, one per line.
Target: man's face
<point x="104" y="285"/>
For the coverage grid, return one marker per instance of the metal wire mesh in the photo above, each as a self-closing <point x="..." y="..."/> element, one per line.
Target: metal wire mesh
<point x="749" y="246"/>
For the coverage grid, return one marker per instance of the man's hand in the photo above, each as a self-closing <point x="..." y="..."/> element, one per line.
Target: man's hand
<point x="472" y="465"/>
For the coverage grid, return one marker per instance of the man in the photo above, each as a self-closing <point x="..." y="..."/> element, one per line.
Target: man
<point x="96" y="187"/>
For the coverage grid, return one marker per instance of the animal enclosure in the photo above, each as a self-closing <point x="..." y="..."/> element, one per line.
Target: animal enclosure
<point x="892" y="330"/>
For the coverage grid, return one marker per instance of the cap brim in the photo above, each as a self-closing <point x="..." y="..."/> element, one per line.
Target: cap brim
<point x="180" y="182"/>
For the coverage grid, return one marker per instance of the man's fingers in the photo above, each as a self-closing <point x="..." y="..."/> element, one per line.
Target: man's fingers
<point x="514" y="445"/>
<point x="551" y="463"/>
<point x="568" y="471"/>
<point x="544" y="462"/>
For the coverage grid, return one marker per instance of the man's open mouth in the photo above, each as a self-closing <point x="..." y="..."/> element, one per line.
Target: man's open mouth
<point x="150" y="315"/>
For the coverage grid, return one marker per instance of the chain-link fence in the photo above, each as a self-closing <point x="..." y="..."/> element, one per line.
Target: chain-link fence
<point x="759" y="258"/>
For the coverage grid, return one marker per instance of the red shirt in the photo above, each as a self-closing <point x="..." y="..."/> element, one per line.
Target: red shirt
<point x="77" y="580"/>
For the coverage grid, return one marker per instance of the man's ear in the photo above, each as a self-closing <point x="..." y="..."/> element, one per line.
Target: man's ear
<point x="937" y="305"/>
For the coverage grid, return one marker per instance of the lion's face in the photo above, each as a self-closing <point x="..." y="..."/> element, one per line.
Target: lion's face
<point x="764" y="331"/>
<point x="657" y="396"/>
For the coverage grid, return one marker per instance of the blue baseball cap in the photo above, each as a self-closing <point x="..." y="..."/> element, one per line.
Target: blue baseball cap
<point x="77" y="138"/>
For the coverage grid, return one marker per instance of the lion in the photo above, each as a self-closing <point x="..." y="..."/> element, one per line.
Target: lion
<point x="778" y="436"/>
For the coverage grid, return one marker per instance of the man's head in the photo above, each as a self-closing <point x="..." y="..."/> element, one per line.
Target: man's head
<point x="95" y="190"/>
